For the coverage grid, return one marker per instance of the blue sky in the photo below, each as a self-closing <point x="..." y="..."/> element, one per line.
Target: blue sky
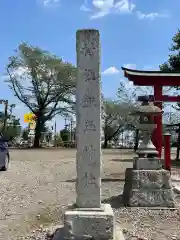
<point x="135" y="32"/>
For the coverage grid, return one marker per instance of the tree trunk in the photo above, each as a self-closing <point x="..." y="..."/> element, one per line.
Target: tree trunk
<point x="136" y="140"/>
<point x="178" y="144"/>
<point x="105" y="145"/>
<point x="38" y="130"/>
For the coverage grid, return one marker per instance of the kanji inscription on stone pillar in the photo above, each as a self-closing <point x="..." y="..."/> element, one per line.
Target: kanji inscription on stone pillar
<point x="88" y="101"/>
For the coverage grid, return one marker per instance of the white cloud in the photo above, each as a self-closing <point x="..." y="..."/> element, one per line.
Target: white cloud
<point x="85" y="8"/>
<point x="98" y="15"/>
<point x="110" y="71"/>
<point x="48" y="3"/>
<point x="151" y="16"/>
<point x="113" y="70"/>
<point x="101" y="8"/>
<point x="124" y="6"/>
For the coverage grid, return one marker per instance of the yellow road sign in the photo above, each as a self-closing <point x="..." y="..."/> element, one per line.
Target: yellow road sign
<point x="29" y="118"/>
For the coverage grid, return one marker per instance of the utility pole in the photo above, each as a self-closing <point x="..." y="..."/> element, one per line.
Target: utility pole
<point x="65" y="125"/>
<point x="71" y="130"/>
<point x="55" y="136"/>
<point x="71" y="125"/>
<point x="55" y="128"/>
<point x="11" y="108"/>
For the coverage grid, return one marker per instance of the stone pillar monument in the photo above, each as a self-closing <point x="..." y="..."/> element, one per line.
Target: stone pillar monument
<point x="88" y="114"/>
<point x="90" y="218"/>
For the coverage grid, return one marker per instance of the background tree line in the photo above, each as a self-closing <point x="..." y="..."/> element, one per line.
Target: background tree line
<point x="46" y="85"/>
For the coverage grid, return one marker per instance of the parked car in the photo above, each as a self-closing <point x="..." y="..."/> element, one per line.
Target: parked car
<point x="4" y="153"/>
<point x="23" y="143"/>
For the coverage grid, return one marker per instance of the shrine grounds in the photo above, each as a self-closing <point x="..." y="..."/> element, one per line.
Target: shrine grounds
<point x="40" y="185"/>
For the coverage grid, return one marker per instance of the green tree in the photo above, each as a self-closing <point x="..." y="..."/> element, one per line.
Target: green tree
<point x="25" y="133"/>
<point x="58" y="140"/>
<point x="116" y="119"/>
<point x="43" y="82"/>
<point x="65" y="136"/>
<point x="173" y="65"/>
<point x="127" y="95"/>
<point x="13" y="128"/>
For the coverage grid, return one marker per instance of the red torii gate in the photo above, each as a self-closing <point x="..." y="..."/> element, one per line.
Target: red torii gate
<point x="158" y="80"/>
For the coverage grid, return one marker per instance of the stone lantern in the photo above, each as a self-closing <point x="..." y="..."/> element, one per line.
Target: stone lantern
<point x="147" y="184"/>
<point x="147" y="153"/>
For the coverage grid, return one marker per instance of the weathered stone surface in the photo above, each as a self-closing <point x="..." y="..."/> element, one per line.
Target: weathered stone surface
<point x="151" y="198"/>
<point x="148" y="188"/>
<point x="61" y="234"/>
<point x="151" y="179"/>
<point x="98" y="224"/>
<point x="176" y="187"/>
<point x="147" y="163"/>
<point x="88" y="102"/>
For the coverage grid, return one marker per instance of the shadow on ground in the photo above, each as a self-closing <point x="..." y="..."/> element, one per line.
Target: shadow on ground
<point x="175" y="164"/>
<point x="59" y="234"/>
<point x="122" y="160"/>
<point x="102" y="180"/>
<point x="37" y="149"/>
<point x="117" y="152"/>
<point x="115" y="201"/>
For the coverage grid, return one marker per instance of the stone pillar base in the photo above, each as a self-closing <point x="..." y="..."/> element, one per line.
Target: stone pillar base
<point x="90" y="223"/>
<point x="148" y="188"/>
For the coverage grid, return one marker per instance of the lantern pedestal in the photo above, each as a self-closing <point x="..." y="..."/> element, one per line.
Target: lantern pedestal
<point x="148" y="188"/>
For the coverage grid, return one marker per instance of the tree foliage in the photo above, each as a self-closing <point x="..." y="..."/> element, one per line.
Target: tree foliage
<point x="25" y="133"/>
<point x="173" y="62"/>
<point x="9" y="123"/>
<point x="173" y="65"/>
<point x="43" y="82"/>
<point x="13" y="128"/>
<point x="127" y="95"/>
<point x="65" y="135"/>
<point x="115" y="120"/>
<point x="58" y="140"/>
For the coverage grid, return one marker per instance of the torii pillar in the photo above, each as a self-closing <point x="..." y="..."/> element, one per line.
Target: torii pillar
<point x="157" y="136"/>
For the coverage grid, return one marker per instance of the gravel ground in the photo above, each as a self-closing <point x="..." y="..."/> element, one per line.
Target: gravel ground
<point x="40" y="184"/>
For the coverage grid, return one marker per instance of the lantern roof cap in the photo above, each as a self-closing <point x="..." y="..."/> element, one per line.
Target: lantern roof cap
<point x="147" y="110"/>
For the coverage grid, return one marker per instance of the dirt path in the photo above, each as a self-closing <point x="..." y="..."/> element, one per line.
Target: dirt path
<point x="41" y="183"/>
<point x="34" y="181"/>
<point x="37" y="182"/>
